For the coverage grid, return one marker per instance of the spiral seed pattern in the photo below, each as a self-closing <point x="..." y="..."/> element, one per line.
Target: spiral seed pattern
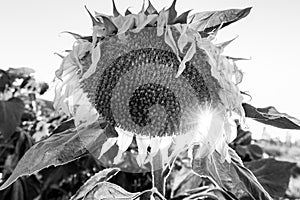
<point x="139" y="92"/>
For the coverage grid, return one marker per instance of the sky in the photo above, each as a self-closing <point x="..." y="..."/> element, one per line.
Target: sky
<point x="31" y="32"/>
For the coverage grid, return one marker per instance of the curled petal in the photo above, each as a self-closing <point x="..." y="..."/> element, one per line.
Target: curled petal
<point x="96" y="55"/>
<point x="107" y="145"/>
<point x="143" y="20"/>
<point x="115" y="11"/>
<point x="182" y="19"/>
<point x="169" y="39"/>
<point x="143" y="144"/>
<point x="127" y="12"/>
<point x="124" y="139"/>
<point x="161" y="22"/>
<point x="110" y="27"/>
<point x="172" y="13"/>
<point x="188" y="56"/>
<point x="150" y="9"/>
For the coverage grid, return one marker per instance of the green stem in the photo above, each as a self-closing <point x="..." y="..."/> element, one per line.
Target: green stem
<point x="158" y="181"/>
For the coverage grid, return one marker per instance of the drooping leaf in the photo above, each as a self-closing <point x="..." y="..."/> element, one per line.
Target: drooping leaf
<point x="255" y="190"/>
<point x="101" y="176"/>
<point x="272" y="174"/>
<point x="10" y="115"/>
<point x="106" y="190"/>
<point x="233" y="176"/>
<point x="184" y="182"/>
<point x="271" y="116"/>
<point x="212" y="20"/>
<point x="58" y="149"/>
<point x="55" y="150"/>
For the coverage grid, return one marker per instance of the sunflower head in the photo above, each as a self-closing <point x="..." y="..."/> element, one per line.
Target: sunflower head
<point x="152" y="81"/>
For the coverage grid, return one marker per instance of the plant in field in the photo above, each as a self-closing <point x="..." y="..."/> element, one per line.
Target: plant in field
<point x="143" y="90"/>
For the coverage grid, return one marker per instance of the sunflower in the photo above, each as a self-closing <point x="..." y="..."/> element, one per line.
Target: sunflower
<point x="153" y="79"/>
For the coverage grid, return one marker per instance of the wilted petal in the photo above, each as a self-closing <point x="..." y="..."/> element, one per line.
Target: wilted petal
<point x="124" y="139"/>
<point x="161" y="22"/>
<point x="96" y="55"/>
<point x="143" y="20"/>
<point x="107" y="145"/>
<point x="143" y="144"/>
<point x="188" y="56"/>
<point x="169" y="39"/>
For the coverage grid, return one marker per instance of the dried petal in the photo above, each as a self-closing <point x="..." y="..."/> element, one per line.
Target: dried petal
<point x="127" y="12"/>
<point x="182" y="19"/>
<point x="172" y="13"/>
<point x="150" y="9"/>
<point x="110" y="27"/>
<point x="115" y="11"/>
<point x="188" y="56"/>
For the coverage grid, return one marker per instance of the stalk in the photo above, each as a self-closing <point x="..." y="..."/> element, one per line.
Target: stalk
<point x="158" y="180"/>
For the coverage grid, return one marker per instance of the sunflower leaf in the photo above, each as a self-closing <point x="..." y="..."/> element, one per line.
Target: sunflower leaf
<point x="10" y="116"/>
<point x="271" y="116"/>
<point x="58" y="149"/>
<point x="233" y="176"/>
<point x="99" y="177"/>
<point x="272" y="174"/>
<point x="106" y="190"/>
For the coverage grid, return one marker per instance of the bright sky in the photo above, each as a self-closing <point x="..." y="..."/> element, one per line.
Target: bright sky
<point x="270" y="35"/>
